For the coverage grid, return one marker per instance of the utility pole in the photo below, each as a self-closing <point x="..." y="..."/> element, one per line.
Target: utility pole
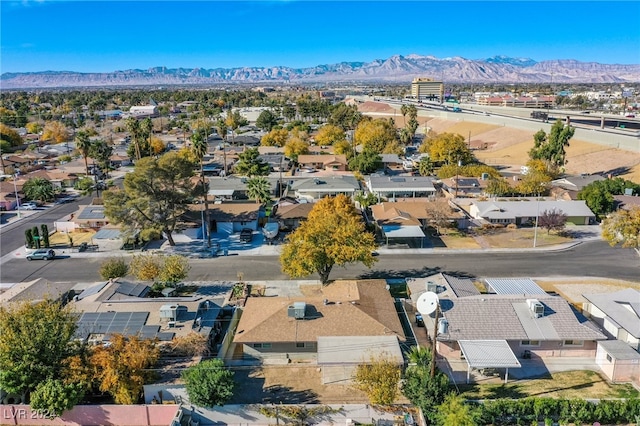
<point x="434" y="350"/>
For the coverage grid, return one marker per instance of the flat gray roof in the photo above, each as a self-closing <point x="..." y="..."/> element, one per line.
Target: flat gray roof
<point x="514" y="286"/>
<point x="357" y="349"/>
<point x="400" y="183"/>
<point x="623" y="307"/>
<point x="461" y="287"/>
<point x="619" y="350"/>
<point x="488" y="354"/>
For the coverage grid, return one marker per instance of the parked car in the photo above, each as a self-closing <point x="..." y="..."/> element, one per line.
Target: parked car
<point x="28" y="206"/>
<point x="419" y="320"/>
<point x="246" y="235"/>
<point x="42" y="254"/>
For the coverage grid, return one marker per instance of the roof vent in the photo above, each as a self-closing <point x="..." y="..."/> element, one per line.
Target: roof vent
<point x="536" y="307"/>
<point x="297" y="310"/>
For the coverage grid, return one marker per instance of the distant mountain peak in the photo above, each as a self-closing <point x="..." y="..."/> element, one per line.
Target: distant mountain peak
<point x="396" y="68"/>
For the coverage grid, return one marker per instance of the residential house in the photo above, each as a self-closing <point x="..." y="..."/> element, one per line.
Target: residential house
<point x="517" y="321"/>
<point x="231" y="217"/>
<point x="8" y="191"/>
<point x="626" y="202"/>
<point x="618" y="361"/>
<point x="324" y="162"/>
<point x="569" y="186"/>
<point x="290" y="216"/>
<point x="349" y="322"/>
<point x="277" y="162"/>
<point x="59" y="178"/>
<point x="392" y="161"/>
<point x="117" y="160"/>
<point x="464" y="186"/>
<point x="392" y="188"/>
<point x="313" y="189"/>
<point x="525" y="212"/>
<point x="235" y="188"/>
<point x="90" y="217"/>
<point x="618" y="313"/>
<point x="409" y="219"/>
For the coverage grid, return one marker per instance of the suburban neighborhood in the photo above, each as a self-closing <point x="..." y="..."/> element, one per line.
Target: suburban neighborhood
<point x="192" y="262"/>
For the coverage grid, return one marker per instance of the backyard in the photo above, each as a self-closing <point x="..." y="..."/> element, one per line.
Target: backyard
<point x="582" y="384"/>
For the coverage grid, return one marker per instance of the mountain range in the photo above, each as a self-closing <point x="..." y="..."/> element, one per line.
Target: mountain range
<point x="395" y="69"/>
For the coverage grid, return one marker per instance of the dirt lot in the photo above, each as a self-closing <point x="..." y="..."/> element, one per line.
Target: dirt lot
<point x="61" y="239"/>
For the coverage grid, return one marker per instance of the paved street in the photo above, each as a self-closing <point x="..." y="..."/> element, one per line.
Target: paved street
<point x="590" y="259"/>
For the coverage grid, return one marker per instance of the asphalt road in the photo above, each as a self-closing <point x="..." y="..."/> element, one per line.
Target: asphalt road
<point x="590" y="259"/>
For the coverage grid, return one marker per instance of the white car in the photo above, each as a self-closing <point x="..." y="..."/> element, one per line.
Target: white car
<point x="28" y="206"/>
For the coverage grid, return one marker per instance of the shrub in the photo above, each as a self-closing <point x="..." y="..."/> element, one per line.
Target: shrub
<point x="113" y="268"/>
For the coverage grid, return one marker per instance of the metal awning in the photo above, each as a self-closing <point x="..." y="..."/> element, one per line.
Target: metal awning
<point x="397" y="231"/>
<point x="224" y="192"/>
<point x="488" y="354"/>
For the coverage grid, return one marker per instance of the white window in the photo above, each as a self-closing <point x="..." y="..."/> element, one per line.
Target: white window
<point x="262" y="345"/>
<point x="609" y="358"/>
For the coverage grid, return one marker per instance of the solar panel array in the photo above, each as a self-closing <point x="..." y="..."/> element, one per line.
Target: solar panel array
<point x="127" y="323"/>
<point x="90" y="291"/>
<point x="92" y="212"/>
<point x="131" y="289"/>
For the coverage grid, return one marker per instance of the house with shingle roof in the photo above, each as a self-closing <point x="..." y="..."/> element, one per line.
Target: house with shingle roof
<point x="324" y="162"/>
<point x="618" y="313"/>
<point x="293" y="328"/>
<point x="290" y="216"/>
<point x="525" y="211"/>
<point x="539" y="325"/>
<point x="393" y="188"/>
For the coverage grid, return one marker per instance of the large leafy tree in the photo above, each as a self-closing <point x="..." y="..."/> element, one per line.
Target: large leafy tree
<point x="35" y="340"/>
<point x="101" y="152"/>
<point x="9" y="135"/>
<point x="250" y="164"/>
<point x="599" y="194"/>
<point x="234" y="121"/>
<point x="330" y="134"/>
<point x="155" y="195"/>
<point x="276" y="137"/>
<point x="448" y="148"/>
<point x="122" y="368"/>
<point x="551" y="148"/>
<point x="375" y="134"/>
<point x="420" y="388"/>
<point x="552" y="220"/>
<point x="296" y="147"/>
<point x="367" y="161"/>
<point x="266" y="120"/>
<point x="333" y="234"/>
<point x="259" y="189"/>
<point x="39" y="189"/>
<point x="200" y="147"/>
<point x="379" y="379"/>
<point x="209" y="383"/>
<point x="56" y="131"/>
<point x="623" y="227"/>
<point x="345" y="116"/>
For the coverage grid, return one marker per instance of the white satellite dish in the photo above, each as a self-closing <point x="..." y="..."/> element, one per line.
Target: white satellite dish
<point x="427" y="303"/>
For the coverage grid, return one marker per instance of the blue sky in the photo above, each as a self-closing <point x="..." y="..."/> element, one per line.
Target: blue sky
<point x="103" y="36"/>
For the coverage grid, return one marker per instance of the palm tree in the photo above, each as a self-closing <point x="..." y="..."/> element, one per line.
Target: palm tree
<point x="259" y="189"/>
<point x="39" y="189"/>
<point x="199" y="147"/>
<point x="83" y="144"/>
<point x="222" y="131"/>
<point x="404" y="109"/>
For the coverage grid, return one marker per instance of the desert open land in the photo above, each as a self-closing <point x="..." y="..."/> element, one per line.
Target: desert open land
<point x="508" y="146"/>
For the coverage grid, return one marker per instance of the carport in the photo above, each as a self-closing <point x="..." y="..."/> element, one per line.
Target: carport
<point x="400" y="231"/>
<point x="488" y="354"/>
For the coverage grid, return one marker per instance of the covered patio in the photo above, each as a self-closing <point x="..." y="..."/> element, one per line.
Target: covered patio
<point x="396" y="232"/>
<point x="484" y="354"/>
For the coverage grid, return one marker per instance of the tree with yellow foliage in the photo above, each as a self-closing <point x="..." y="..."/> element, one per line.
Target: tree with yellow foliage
<point x="379" y="379"/>
<point x="122" y="368"/>
<point x="295" y="147"/>
<point x="623" y="227"/>
<point x="330" y="134"/>
<point x="276" y="137"/>
<point x="375" y="134"/>
<point x="157" y="145"/>
<point x="333" y="234"/>
<point x="56" y="131"/>
<point x="448" y="148"/>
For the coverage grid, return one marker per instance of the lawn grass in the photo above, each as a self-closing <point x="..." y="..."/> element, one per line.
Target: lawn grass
<point x="583" y="384"/>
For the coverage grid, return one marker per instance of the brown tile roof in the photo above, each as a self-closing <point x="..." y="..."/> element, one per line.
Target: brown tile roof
<point x="384" y="212"/>
<point x="293" y="211"/>
<point x="324" y="159"/>
<point x="355" y="308"/>
<point x="230" y="212"/>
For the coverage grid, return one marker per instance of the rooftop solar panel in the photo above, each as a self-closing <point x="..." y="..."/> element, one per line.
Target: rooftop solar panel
<point x="90" y="291"/>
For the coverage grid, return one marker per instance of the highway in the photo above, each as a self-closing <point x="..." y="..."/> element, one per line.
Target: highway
<point x="590" y="259"/>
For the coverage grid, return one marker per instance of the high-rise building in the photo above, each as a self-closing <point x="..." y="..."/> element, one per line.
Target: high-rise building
<point x="423" y="88"/>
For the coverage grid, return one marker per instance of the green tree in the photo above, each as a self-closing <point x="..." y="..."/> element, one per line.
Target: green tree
<point x="45" y="235"/>
<point x="266" y="120"/>
<point x="366" y="162"/>
<point x="334" y="234"/>
<point x="250" y="164"/>
<point x="551" y="148"/>
<point x="379" y="379"/>
<point x="83" y="143"/>
<point x="454" y="412"/>
<point x="54" y="397"/>
<point x="234" y="121"/>
<point x="123" y="367"/>
<point x="10" y="136"/>
<point x="345" y="116"/>
<point x="599" y="194"/>
<point x="420" y="388"/>
<point x="155" y="195"/>
<point x="425" y="166"/>
<point x="133" y="127"/>
<point x="259" y="189"/>
<point x="39" y="189"/>
<point x="209" y="383"/>
<point x="101" y="152"/>
<point x="85" y="185"/>
<point x="113" y="268"/>
<point x="200" y="148"/>
<point x="36" y="237"/>
<point x="623" y="227"/>
<point x="36" y="339"/>
<point x="28" y="234"/>
<point x="498" y="187"/>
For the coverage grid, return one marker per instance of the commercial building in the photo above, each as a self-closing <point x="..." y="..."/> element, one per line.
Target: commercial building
<point x="423" y="88"/>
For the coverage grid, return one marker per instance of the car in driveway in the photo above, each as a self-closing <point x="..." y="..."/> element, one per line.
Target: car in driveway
<point x="419" y="320"/>
<point x="28" y="206"/>
<point x="246" y="235"/>
<point x="42" y="254"/>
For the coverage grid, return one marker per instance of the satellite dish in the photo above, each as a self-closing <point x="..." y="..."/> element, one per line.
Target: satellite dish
<point x="427" y="303"/>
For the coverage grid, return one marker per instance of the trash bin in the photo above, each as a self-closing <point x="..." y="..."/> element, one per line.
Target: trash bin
<point x="225" y="252"/>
